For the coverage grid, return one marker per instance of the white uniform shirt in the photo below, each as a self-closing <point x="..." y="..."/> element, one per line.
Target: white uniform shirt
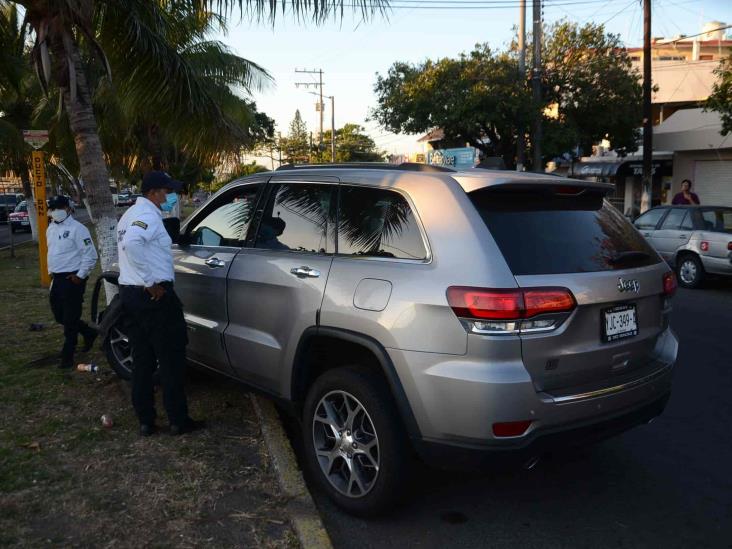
<point x="145" y="254"/>
<point x="70" y="248"/>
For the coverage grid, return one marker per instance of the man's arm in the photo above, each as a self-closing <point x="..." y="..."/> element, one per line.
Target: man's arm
<point x="135" y="241"/>
<point x="88" y="252"/>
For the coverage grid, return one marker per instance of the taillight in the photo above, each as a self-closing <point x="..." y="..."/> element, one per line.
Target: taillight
<point x="704" y="246"/>
<point x="501" y="311"/>
<point x="669" y="284"/>
<point x="729" y="246"/>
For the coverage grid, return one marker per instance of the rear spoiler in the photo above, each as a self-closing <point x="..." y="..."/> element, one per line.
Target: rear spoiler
<point x="560" y="186"/>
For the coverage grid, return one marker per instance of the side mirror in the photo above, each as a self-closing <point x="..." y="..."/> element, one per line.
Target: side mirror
<point x="172" y="226"/>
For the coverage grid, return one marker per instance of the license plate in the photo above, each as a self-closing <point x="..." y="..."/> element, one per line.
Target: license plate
<point x="25" y="222"/>
<point x="619" y="322"/>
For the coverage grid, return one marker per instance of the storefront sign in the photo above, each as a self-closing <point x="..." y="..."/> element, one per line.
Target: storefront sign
<point x="458" y="159"/>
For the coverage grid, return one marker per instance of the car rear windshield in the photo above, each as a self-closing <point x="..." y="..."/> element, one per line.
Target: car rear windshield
<point x="545" y="232"/>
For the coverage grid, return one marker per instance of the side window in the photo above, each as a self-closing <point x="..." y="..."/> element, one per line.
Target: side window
<point x="649" y="220"/>
<point x="298" y="218"/>
<point x="673" y="219"/>
<point x="687" y="224"/>
<point x="227" y="222"/>
<point x="377" y="223"/>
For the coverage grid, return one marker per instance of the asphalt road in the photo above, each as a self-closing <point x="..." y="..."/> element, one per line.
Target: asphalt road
<point x="80" y="215"/>
<point x="666" y="484"/>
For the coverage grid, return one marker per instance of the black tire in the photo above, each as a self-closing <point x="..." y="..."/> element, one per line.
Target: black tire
<point x="119" y="353"/>
<point x="369" y="390"/>
<point x="689" y="271"/>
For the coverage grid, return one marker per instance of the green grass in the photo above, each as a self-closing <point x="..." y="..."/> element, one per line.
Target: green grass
<point x="65" y="478"/>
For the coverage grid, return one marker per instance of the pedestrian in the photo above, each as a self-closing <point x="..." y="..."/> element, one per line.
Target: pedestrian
<point x="71" y="257"/>
<point x="153" y="312"/>
<point x="685" y="196"/>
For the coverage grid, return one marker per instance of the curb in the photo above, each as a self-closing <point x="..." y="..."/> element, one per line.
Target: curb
<point x="305" y="518"/>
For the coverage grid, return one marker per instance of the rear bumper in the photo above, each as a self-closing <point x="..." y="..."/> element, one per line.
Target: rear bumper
<point x="466" y="456"/>
<point x="457" y="399"/>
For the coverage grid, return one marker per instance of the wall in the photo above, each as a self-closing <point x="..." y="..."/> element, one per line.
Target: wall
<point x="684" y="164"/>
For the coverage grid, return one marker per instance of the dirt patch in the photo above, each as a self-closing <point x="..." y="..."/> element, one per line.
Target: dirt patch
<point x="66" y="480"/>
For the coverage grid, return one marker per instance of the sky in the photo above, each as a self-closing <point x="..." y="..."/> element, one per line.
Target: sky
<point x="351" y="52"/>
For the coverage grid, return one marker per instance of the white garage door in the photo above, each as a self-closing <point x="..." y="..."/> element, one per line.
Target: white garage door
<point x="713" y="182"/>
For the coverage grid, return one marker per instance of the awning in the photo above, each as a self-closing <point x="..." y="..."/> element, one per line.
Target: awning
<point x="594" y="169"/>
<point x="661" y="164"/>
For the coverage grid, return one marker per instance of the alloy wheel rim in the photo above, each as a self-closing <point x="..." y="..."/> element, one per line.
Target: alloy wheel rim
<point x="688" y="271"/>
<point x="121" y="349"/>
<point x="346" y="444"/>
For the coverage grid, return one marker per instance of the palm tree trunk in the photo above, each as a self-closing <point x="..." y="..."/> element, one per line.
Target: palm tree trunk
<point x="92" y="167"/>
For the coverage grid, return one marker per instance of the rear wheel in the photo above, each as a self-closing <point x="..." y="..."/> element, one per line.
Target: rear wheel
<point x="689" y="271"/>
<point x="355" y="446"/>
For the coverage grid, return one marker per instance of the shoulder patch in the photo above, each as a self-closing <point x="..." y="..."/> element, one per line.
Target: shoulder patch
<point x="140" y="224"/>
<point x="87" y="241"/>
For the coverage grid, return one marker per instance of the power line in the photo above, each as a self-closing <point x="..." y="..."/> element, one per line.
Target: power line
<point x="445" y="6"/>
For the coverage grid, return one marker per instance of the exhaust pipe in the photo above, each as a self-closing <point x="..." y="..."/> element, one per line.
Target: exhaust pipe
<point x="532" y="462"/>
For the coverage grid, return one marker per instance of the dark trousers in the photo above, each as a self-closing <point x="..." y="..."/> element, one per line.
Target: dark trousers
<point x="157" y="332"/>
<point x="66" y="300"/>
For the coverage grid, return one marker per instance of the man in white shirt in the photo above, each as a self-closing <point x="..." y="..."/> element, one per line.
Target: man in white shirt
<point x="71" y="257"/>
<point x="156" y="327"/>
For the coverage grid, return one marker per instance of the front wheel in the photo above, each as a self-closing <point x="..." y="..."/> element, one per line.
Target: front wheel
<point x="689" y="271"/>
<point x="355" y="446"/>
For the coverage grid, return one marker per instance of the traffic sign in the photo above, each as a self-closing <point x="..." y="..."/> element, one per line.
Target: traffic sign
<point x="35" y="138"/>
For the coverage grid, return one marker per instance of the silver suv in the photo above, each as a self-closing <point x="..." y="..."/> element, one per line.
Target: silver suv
<point x="400" y="310"/>
<point x="696" y="240"/>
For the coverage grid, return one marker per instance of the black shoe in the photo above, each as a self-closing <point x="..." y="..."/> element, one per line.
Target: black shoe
<point x="147" y="429"/>
<point x="89" y="342"/>
<point x="188" y="427"/>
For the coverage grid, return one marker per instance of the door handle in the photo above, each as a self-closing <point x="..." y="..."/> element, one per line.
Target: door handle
<point x="214" y="262"/>
<point x="646" y="234"/>
<point x="683" y="237"/>
<point x="305" y="272"/>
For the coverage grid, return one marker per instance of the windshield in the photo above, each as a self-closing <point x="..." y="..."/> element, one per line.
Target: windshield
<point x="542" y="233"/>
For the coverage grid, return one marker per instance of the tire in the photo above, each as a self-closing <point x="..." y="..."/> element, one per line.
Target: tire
<point x="689" y="271"/>
<point x="119" y="352"/>
<point x="373" y="441"/>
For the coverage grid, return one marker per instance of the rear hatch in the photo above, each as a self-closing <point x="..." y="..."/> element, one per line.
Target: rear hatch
<point x="556" y="236"/>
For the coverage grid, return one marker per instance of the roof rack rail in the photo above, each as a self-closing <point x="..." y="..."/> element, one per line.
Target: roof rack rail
<point x="404" y="166"/>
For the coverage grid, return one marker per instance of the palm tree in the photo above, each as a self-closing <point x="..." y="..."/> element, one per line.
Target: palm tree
<point x="135" y="31"/>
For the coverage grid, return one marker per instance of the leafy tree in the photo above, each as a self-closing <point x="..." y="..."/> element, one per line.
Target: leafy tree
<point x="140" y="34"/>
<point x="352" y="145"/>
<point x="721" y="98"/>
<point x="296" y="146"/>
<point x="589" y="77"/>
<point x="478" y="98"/>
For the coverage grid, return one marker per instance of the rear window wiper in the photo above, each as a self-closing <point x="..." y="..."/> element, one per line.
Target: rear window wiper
<point x="622" y="257"/>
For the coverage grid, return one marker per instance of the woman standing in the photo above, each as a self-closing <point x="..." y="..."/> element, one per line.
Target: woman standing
<point x="685" y="197"/>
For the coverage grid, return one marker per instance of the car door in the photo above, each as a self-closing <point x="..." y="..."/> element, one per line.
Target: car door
<point x="211" y="240"/>
<point x="276" y="285"/>
<point x="648" y="222"/>
<point x="674" y="232"/>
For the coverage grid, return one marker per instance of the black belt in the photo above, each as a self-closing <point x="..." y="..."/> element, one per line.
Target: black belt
<point x="64" y="274"/>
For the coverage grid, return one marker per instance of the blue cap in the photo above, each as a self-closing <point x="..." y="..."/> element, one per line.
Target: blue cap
<point x="159" y="180"/>
<point x="58" y="202"/>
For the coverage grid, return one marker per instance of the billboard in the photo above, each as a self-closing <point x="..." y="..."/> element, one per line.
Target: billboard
<point x="459" y="159"/>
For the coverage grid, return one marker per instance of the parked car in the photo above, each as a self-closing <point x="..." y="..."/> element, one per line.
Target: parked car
<point x="695" y="240"/>
<point x="8" y="203"/>
<point x="402" y="310"/>
<point x="19" y="220"/>
<point x="125" y="200"/>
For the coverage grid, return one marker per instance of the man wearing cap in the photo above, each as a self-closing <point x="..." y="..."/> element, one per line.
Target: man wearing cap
<point x="157" y="329"/>
<point x="71" y="257"/>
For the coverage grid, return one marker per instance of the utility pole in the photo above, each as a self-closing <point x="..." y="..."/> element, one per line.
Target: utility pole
<point x="332" y="130"/>
<point x="310" y="151"/>
<point x="647" y="113"/>
<point x="521" y="131"/>
<point x="319" y="85"/>
<point x="536" y="88"/>
<point x="279" y="147"/>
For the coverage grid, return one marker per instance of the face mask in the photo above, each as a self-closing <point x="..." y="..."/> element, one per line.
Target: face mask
<point x="171" y="199"/>
<point x="59" y="215"/>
